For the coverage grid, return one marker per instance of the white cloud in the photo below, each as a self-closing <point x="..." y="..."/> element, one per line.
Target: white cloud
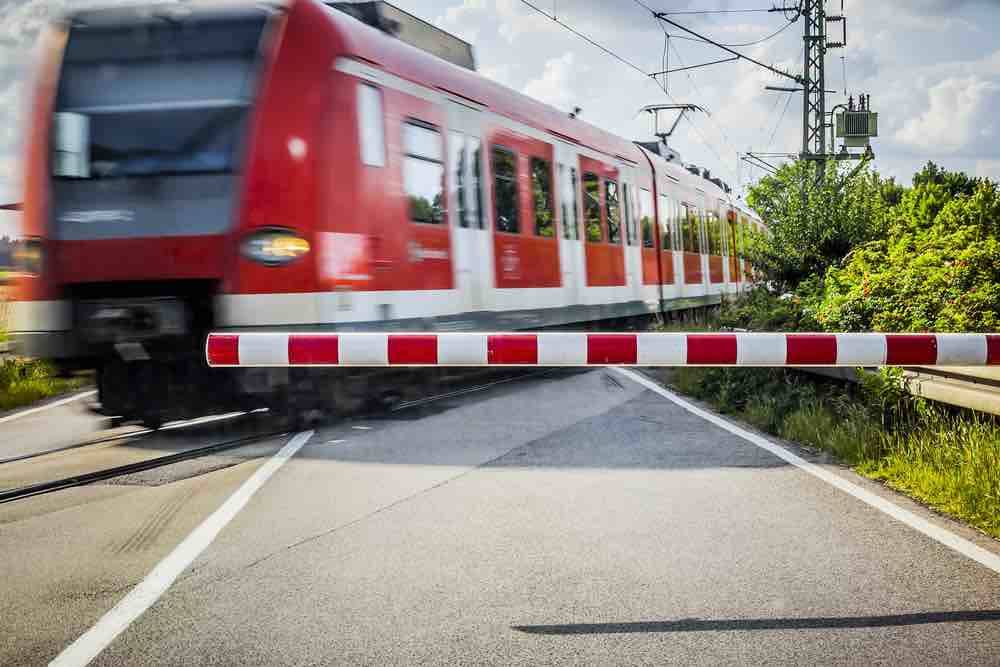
<point x="960" y="118"/>
<point x="556" y="84"/>
<point x="988" y="169"/>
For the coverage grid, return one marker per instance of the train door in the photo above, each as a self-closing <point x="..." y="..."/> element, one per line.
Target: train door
<point x="469" y="229"/>
<point x="570" y="241"/>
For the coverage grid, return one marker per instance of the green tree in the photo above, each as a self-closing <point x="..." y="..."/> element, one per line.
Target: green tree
<point x="814" y="223"/>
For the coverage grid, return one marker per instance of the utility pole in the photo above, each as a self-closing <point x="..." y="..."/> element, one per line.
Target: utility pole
<point x="814" y="81"/>
<point x="855" y="126"/>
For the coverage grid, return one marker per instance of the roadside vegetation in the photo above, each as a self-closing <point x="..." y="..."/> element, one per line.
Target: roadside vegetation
<point x="863" y="253"/>
<point x="949" y="460"/>
<point x="24" y="381"/>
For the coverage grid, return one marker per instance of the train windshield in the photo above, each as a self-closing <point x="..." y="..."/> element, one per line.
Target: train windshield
<point x="155" y="94"/>
<point x="156" y="141"/>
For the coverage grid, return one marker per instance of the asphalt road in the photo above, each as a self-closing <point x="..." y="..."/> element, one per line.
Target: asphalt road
<point x="566" y="518"/>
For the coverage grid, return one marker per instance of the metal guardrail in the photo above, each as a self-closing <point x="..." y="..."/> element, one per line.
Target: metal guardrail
<point x="972" y="388"/>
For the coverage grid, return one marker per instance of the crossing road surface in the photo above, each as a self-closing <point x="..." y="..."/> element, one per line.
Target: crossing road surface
<point x="566" y="517"/>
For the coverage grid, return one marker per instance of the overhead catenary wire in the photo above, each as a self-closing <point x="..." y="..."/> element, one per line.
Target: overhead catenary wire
<point x="627" y="63"/>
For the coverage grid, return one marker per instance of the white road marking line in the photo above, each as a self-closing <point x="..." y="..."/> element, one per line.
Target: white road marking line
<point x="933" y="531"/>
<point x="53" y="404"/>
<point x="334" y="442"/>
<point x="156" y="583"/>
<point x="362" y="428"/>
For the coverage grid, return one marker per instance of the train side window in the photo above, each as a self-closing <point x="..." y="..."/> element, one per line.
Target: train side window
<point x="714" y="235"/>
<point x="423" y="172"/>
<point x="627" y="213"/>
<point x="686" y="223"/>
<point x="457" y="157"/>
<point x="692" y="230"/>
<point x="475" y="196"/>
<point x="612" y="206"/>
<point x="677" y="222"/>
<point x="573" y="188"/>
<point x="646" y="211"/>
<point x="564" y="199"/>
<point x="666" y="238"/>
<point x="541" y="197"/>
<point x="702" y="238"/>
<point x="734" y="242"/>
<point x="371" y="126"/>
<point x="505" y="190"/>
<point x="592" y="207"/>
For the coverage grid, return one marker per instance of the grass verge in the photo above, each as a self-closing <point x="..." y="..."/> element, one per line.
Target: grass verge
<point x="25" y="381"/>
<point x="949" y="460"/>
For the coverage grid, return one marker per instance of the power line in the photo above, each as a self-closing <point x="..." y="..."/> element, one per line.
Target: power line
<point x="719" y="11"/>
<point x="764" y="39"/>
<point x="708" y="111"/>
<point x="780" y="118"/>
<point x="627" y="63"/>
<point x="587" y="39"/>
<point x="661" y="17"/>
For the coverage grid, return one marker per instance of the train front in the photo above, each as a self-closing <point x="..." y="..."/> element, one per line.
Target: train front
<point x="133" y="196"/>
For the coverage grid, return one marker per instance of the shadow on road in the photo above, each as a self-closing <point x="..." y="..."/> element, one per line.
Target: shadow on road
<point x="741" y="624"/>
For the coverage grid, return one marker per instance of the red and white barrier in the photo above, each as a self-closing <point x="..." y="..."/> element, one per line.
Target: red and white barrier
<point x="601" y="349"/>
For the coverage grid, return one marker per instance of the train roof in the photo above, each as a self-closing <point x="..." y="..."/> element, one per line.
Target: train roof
<point x="369" y="44"/>
<point x="409" y="62"/>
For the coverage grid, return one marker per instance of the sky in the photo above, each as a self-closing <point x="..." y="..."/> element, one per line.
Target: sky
<point x="932" y="68"/>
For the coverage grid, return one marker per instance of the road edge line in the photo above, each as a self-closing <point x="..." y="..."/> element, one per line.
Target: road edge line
<point x="937" y="533"/>
<point x="53" y="404"/>
<point x="90" y="644"/>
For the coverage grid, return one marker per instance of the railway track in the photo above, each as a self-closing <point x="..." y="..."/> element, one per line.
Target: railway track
<point x="31" y="490"/>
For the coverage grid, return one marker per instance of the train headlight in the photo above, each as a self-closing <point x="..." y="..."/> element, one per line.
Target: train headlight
<point x="275" y="247"/>
<point x="28" y="257"/>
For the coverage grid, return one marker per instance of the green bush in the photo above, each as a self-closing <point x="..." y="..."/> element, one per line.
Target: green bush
<point x="24" y="381"/>
<point x="938" y="269"/>
<point x="761" y="310"/>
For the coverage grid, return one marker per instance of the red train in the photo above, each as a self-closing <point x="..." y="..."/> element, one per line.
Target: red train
<point x="194" y="167"/>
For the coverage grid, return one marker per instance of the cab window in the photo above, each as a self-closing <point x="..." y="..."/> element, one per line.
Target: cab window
<point x="370" y="125"/>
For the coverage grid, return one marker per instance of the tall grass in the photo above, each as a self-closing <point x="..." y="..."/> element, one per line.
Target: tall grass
<point x="946" y="459"/>
<point x="952" y="463"/>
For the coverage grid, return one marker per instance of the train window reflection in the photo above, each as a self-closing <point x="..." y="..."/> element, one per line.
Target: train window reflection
<point x="714" y="233"/>
<point x="457" y="158"/>
<point x="690" y="230"/>
<point x="423" y="173"/>
<point x="592" y="207"/>
<point x="646" y="211"/>
<point x="505" y="190"/>
<point x="574" y="231"/>
<point x="370" y="125"/>
<point x="627" y="213"/>
<point x="734" y="247"/>
<point x="475" y="202"/>
<point x="541" y="196"/>
<point x="666" y="238"/>
<point x="614" y="214"/>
